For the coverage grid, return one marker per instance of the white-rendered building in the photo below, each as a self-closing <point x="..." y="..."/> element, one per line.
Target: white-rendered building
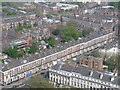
<point x="82" y="77"/>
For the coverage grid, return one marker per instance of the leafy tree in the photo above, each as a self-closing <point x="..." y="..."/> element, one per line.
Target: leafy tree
<point x="8" y="12"/>
<point x="110" y="67"/>
<point x="13" y="52"/>
<point x="35" y="25"/>
<point x="5" y="3"/>
<point x="52" y="41"/>
<point x="72" y="23"/>
<point x="87" y="31"/>
<point x="33" y="48"/>
<point x="39" y="82"/>
<point x="115" y="4"/>
<point x="67" y="33"/>
<point x="56" y="32"/>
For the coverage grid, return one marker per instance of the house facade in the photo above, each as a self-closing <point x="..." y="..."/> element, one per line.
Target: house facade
<point x="82" y="77"/>
<point x="20" y="67"/>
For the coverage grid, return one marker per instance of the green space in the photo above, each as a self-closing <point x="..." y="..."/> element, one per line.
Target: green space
<point x="72" y="23"/>
<point x="111" y="60"/>
<point x="13" y="52"/>
<point x="51" y="41"/>
<point x="67" y="33"/>
<point x="23" y="27"/>
<point x="11" y="4"/>
<point x="5" y="3"/>
<point x="35" y="25"/>
<point x="39" y="82"/>
<point x="1" y="61"/>
<point x="33" y="48"/>
<point x="8" y="12"/>
<point x="115" y="4"/>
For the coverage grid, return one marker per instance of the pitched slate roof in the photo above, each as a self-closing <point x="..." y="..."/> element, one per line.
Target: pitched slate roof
<point x="85" y="71"/>
<point x="57" y="48"/>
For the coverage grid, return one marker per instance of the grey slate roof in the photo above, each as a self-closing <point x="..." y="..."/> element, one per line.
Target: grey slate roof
<point x="53" y="50"/>
<point x="85" y="71"/>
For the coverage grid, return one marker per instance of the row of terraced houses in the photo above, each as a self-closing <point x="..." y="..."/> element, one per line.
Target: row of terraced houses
<point x="30" y="64"/>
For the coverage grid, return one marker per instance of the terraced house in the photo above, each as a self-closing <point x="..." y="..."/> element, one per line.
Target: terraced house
<point x="15" y="22"/>
<point x="20" y="68"/>
<point x="82" y="77"/>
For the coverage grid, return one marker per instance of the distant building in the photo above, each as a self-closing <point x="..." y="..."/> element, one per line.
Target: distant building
<point x="17" y="21"/>
<point x="83" y="77"/>
<point x="63" y="6"/>
<point x="27" y="6"/>
<point x="3" y="56"/>
<point x="90" y="11"/>
<point x="21" y="43"/>
<point x="92" y="62"/>
<point x="19" y="68"/>
<point x="37" y="33"/>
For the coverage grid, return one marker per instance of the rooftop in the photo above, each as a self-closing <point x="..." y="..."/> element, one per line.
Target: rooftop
<point x="60" y="47"/>
<point x="86" y="71"/>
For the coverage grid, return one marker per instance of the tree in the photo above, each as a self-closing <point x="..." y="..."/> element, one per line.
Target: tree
<point x="87" y="31"/>
<point x="33" y="48"/>
<point x="115" y="4"/>
<point x="13" y="52"/>
<point x="72" y="23"/>
<point x="39" y="82"/>
<point x="56" y="32"/>
<point x="110" y="67"/>
<point x="52" y="41"/>
<point x="67" y="33"/>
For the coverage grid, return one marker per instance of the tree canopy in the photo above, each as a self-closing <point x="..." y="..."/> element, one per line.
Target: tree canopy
<point x="67" y="33"/>
<point x="51" y="41"/>
<point x="13" y="52"/>
<point x="33" y="48"/>
<point x="72" y="23"/>
<point x="115" y="4"/>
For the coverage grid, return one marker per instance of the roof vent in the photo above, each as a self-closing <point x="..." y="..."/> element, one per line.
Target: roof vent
<point x="24" y="61"/>
<point x="115" y="74"/>
<point x="112" y="78"/>
<point x="91" y="73"/>
<point x="101" y="76"/>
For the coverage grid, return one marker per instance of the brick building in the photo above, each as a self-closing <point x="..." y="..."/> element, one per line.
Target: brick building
<point x="92" y="62"/>
<point x="19" y="68"/>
